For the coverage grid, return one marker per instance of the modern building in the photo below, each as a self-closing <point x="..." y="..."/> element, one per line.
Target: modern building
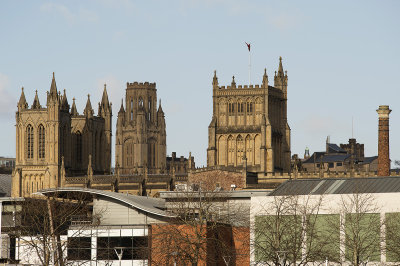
<point x="249" y="125"/>
<point x="335" y="219"/>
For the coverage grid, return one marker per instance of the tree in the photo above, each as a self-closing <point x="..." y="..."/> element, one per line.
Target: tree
<point x="205" y="230"/>
<point x="286" y="230"/>
<point x="43" y="222"/>
<point x="360" y="227"/>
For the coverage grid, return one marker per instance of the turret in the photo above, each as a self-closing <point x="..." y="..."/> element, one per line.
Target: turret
<point x="64" y="103"/>
<point x="281" y="78"/>
<point x="74" y="111"/>
<point x="215" y="80"/>
<point x="53" y="94"/>
<point x="104" y="105"/>
<point x="22" y="104"/>
<point x="88" y="112"/>
<point x="121" y="115"/>
<point x="265" y="79"/>
<point x="233" y="83"/>
<point x="160" y="116"/>
<point x="36" y="103"/>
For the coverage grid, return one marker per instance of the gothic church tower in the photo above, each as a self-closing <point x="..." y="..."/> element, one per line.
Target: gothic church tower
<point x="141" y="134"/>
<point x="249" y="125"/>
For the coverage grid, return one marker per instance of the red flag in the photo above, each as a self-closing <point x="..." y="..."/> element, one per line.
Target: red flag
<point x="248" y="45"/>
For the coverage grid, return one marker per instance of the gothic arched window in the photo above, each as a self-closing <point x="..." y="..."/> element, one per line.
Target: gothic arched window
<point x="42" y="142"/>
<point x="131" y="108"/>
<point x="29" y="142"/>
<point x="78" y="147"/>
<point x="140" y="102"/>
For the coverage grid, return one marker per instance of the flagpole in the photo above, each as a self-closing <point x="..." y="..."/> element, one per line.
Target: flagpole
<point x="249" y="67"/>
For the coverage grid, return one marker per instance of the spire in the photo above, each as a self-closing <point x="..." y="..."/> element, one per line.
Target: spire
<point x="280" y="69"/>
<point x="105" y="105"/>
<point x="36" y="103"/>
<point x="233" y="84"/>
<point x="22" y="100"/>
<point x="74" y="112"/>
<point x="53" y="88"/>
<point x="64" y="104"/>
<point x="265" y="79"/>
<point x="160" y="110"/>
<point x="215" y="79"/>
<point x="122" y="110"/>
<point x="88" y="109"/>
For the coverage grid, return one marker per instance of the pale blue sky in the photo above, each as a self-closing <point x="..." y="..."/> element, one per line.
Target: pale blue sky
<point x="342" y="59"/>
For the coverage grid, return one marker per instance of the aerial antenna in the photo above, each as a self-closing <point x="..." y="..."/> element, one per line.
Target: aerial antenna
<point x="352" y="128"/>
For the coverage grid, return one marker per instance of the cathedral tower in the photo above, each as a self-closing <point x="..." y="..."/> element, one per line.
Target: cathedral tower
<point x="141" y="133"/>
<point x="249" y="125"/>
<point x="53" y="142"/>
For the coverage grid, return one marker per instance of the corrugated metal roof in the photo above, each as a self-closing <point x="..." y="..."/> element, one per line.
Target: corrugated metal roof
<point x="338" y="186"/>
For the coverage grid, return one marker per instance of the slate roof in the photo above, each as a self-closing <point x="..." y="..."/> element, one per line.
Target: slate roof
<point x="338" y="186"/>
<point x="335" y="148"/>
<point x="5" y="185"/>
<point x="327" y="158"/>
<point x="368" y="160"/>
<point x="151" y="205"/>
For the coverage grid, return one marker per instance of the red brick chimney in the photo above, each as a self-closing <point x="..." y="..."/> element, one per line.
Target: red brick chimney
<point x="383" y="141"/>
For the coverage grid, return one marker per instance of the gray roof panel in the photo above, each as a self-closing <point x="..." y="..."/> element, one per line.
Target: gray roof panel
<point x="338" y="186"/>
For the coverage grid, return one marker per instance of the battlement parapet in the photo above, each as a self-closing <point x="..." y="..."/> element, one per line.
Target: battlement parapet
<point x="140" y="85"/>
<point x="257" y="86"/>
<point x="217" y="167"/>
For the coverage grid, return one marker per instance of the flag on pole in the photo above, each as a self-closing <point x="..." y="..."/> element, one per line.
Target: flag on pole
<point x="248" y="45"/>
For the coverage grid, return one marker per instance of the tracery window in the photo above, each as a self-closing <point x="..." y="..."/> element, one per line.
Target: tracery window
<point x="42" y="142"/>
<point x="149" y="114"/>
<point x="78" y="147"/>
<point x="240" y="108"/>
<point x="29" y="142"/>
<point x="140" y="102"/>
<point x="249" y="107"/>
<point x="131" y="108"/>
<point x="231" y="108"/>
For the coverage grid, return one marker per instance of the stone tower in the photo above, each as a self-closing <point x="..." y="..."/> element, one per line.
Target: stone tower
<point x="53" y="142"/>
<point x="141" y="133"/>
<point x="383" y="141"/>
<point x="250" y="122"/>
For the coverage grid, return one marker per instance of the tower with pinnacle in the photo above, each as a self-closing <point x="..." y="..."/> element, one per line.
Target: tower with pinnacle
<point x="140" y="143"/>
<point x="249" y="125"/>
<point x="54" y="141"/>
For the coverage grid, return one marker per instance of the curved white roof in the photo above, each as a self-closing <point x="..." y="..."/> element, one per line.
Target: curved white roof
<point x="150" y="205"/>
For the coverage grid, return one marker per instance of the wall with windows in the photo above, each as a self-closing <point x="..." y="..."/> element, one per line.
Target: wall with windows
<point x="334" y="222"/>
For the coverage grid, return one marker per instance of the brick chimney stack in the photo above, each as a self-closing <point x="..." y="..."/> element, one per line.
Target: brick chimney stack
<point x="383" y="141"/>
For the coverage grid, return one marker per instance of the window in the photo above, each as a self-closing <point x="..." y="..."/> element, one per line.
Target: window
<point x="29" y="142"/>
<point x="249" y="107"/>
<point x="135" y="248"/>
<point x="317" y="164"/>
<point x="78" y="147"/>
<point x="131" y="108"/>
<point x="231" y="108"/>
<point x="79" y="248"/>
<point x="140" y="102"/>
<point x="149" y="112"/>
<point x="339" y="164"/>
<point x="42" y="141"/>
<point x="330" y="165"/>
<point x="240" y="108"/>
